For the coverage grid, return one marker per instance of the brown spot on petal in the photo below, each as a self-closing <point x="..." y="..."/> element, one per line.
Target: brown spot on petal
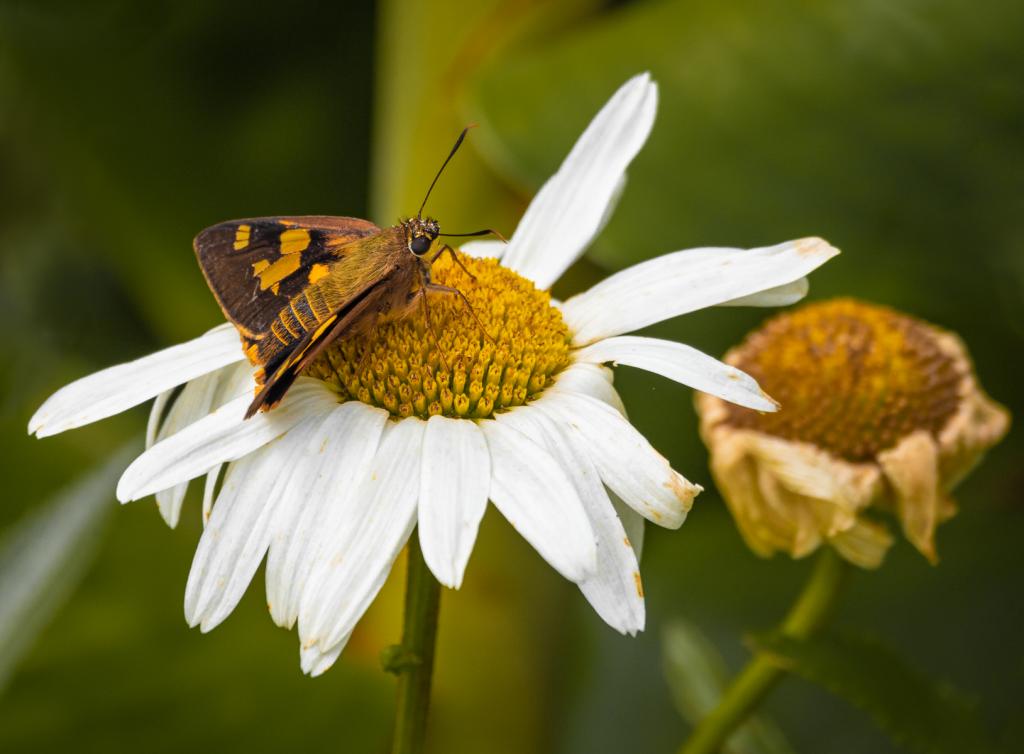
<point x="812" y="245"/>
<point x="682" y="490"/>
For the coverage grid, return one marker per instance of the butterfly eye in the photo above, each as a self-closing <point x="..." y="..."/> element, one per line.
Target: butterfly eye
<point x="419" y="245"/>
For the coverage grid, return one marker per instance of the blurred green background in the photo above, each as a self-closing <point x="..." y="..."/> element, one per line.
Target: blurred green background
<point x="892" y="129"/>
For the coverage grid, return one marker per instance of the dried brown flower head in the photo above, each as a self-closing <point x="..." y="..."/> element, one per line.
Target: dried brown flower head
<point x="879" y="411"/>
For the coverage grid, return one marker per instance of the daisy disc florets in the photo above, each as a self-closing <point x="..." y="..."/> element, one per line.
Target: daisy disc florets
<point x="500" y="354"/>
<point x="880" y="411"/>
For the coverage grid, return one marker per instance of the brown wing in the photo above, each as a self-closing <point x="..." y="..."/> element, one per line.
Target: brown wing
<point x="374" y="277"/>
<point x="280" y="375"/>
<point x="256" y="266"/>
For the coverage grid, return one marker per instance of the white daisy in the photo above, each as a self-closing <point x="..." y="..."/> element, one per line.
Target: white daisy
<point x="329" y="485"/>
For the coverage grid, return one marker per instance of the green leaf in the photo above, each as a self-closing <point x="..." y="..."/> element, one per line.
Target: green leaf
<point x="921" y="714"/>
<point x="44" y="555"/>
<point x="697" y="676"/>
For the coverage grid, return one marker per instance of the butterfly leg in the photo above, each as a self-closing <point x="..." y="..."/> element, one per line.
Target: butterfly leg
<point x="422" y="295"/>
<point x="455" y="257"/>
<point x="437" y="288"/>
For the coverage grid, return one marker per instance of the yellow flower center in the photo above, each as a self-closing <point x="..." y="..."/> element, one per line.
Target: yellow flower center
<point x="852" y="378"/>
<point x="463" y="374"/>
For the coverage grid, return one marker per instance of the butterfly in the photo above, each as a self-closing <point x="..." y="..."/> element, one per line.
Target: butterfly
<point x="293" y="285"/>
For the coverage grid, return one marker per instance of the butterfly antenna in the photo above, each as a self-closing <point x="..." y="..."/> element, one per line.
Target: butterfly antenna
<point x="458" y="143"/>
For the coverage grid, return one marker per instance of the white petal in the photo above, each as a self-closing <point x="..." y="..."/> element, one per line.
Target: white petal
<point x="683" y="364"/>
<point x="380" y="518"/>
<point x="485" y="249"/>
<point x="325" y="481"/>
<point x="120" y="387"/>
<point x="156" y="416"/>
<point x="197" y="399"/>
<point x="614" y="590"/>
<point x="572" y="206"/>
<point x="613" y="201"/>
<point x="169" y="508"/>
<point x="193" y="403"/>
<point x="169" y="503"/>
<point x="235" y="381"/>
<point x="238" y="381"/>
<point x="782" y="295"/>
<point x="209" y="487"/>
<point x="455" y="479"/>
<point x="240" y="528"/>
<point x="632" y="522"/>
<point x="590" y="379"/>
<point x="536" y="496"/>
<point x="221" y="436"/>
<point x="686" y="281"/>
<point x="314" y="662"/>
<point x="627" y="463"/>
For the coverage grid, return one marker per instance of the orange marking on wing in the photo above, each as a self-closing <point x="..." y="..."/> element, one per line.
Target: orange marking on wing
<point x="242" y="237"/>
<point x="318" y="272"/>
<point x="320" y="330"/>
<point x="294" y="241"/>
<point x="278" y="271"/>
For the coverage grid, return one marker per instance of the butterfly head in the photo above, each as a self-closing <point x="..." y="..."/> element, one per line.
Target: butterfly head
<point x="420" y="233"/>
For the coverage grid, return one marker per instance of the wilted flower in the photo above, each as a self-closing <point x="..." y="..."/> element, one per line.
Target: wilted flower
<point x="329" y="485"/>
<point x="878" y="411"/>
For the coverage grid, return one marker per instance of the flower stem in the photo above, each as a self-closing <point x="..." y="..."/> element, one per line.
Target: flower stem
<point x="415" y="666"/>
<point x="809" y="613"/>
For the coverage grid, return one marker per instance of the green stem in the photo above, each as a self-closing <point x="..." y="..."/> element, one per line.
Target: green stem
<point x="809" y="613"/>
<point x="414" y="663"/>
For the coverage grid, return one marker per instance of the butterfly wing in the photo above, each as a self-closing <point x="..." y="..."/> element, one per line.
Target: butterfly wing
<point x="256" y="266"/>
<point x="281" y="373"/>
<point x="292" y="285"/>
